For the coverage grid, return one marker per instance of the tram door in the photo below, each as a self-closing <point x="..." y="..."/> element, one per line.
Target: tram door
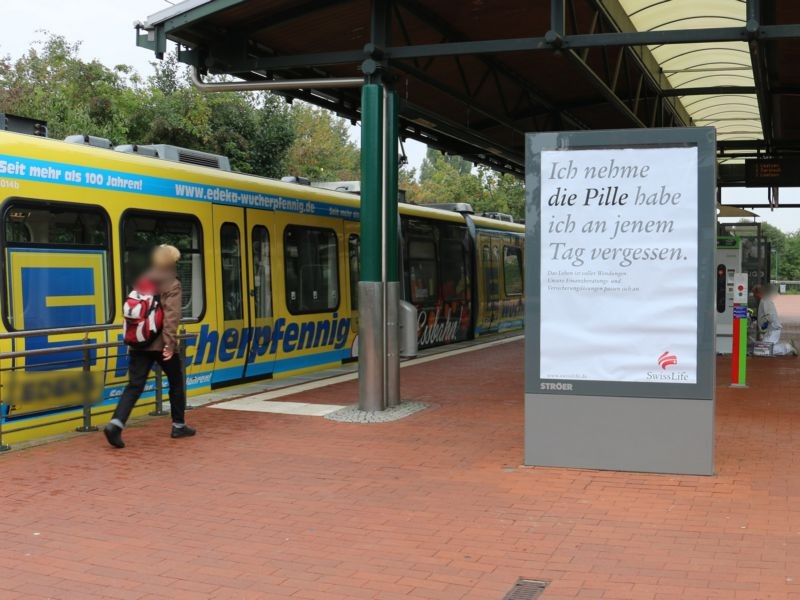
<point x="261" y="240"/>
<point x="494" y="281"/>
<point x="352" y="233"/>
<point x="488" y="250"/>
<point x="231" y="309"/>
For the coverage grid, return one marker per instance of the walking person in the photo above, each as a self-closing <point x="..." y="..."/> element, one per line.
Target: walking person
<point x="153" y="312"/>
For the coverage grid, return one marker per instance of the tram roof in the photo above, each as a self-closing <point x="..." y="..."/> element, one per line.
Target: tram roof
<point x="474" y="77"/>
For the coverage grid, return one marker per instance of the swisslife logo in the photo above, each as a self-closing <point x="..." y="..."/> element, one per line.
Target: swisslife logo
<point x="665" y="361"/>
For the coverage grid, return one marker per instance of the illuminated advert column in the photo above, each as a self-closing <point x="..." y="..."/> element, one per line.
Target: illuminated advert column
<point x="619" y="354"/>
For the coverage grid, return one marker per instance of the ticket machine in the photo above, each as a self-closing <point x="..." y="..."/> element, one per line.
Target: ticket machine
<point x="729" y="262"/>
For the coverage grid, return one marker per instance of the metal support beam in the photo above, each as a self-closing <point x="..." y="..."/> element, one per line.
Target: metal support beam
<point x="557" y="17"/>
<point x="493" y="66"/>
<point x="601" y="86"/>
<point x="709" y="90"/>
<point x="760" y="75"/>
<point x="378" y="350"/>
<point x="274" y="84"/>
<point x="370" y="288"/>
<point x="597" y="40"/>
<point x="391" y="270"/>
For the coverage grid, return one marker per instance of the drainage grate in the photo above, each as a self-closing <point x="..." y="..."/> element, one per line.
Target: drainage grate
<point x="526" y="589"/>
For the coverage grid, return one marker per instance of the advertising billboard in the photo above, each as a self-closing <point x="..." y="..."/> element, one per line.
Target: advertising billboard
<point x="618" y="250"/>
<point x="620" y="245"/>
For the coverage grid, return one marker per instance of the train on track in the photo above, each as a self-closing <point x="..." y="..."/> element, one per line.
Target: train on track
<point x="269" y="268"/>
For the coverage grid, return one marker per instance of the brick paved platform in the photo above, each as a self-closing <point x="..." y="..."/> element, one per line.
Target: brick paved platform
<point x="435" y="506"/>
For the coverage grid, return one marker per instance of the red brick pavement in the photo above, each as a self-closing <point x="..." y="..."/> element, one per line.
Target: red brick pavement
<point x="435" y="506"/>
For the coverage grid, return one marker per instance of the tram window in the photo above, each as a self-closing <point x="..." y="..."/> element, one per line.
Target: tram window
<point x="54" y="225"/>
<point x="262" y="277"/>
<point x="512" y="270"/>
<point x="144" y="230"/>
<point x="38" y="237"/>
<point x="312" y="271"/>
<point x="454" y="274"/>
<point x="354" y="251"/>
<point x="422" y="270"/>
<point x="230" y="252"/>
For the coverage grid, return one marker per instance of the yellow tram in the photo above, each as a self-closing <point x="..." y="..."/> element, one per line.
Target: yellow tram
<point x="269" y="271"/>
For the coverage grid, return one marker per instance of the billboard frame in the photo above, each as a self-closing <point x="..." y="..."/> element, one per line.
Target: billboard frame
<point x="640" y="426"/>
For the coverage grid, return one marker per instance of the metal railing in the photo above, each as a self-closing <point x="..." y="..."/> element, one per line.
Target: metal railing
<point x="84" y="357"/>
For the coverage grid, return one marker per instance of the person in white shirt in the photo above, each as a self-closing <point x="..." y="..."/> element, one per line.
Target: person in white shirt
<point x="769" y="324"/>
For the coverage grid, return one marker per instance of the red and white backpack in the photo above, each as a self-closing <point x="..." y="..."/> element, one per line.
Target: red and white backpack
<point x="142" y="313"/>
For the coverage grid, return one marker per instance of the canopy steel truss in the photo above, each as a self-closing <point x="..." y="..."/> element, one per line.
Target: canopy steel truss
<point x="491" y="96"/>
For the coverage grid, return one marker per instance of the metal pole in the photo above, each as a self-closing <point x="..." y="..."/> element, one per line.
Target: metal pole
<point x="274" y="84"/>
<point x="159" y="381"/>
<point x="87" y="405"/>
<point x="391" y="268"/>
<point x="370" y="287"/>
<point x="753" y="11"/>
<point x="182" y="353"/>
<point x="384" y="241"/>
<point x="557" y="21"/>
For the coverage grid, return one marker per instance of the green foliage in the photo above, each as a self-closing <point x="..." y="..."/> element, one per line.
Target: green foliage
<point x="786" y="252"/>
<point x="322" y="150"/>
<point x="50" y="82"/>
<point x="452" y="179"/>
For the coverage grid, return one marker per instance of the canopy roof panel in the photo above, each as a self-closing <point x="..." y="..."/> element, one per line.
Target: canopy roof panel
<point x="715" y="64"/>
<point x="474" y="77"/>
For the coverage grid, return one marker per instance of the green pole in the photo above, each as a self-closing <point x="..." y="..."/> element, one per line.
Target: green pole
<point x="371" y="140"/>
<point x="392" y="266"/>
<point x="371" y="299"/>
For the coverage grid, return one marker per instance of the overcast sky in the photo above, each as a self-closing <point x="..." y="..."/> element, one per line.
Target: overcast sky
<point x="105" y="28"/>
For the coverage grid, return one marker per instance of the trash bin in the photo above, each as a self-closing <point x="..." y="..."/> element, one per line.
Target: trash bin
<point x="408" y="329"/>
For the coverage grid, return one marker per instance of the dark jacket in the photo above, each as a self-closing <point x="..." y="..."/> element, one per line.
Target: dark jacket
<point x="169" y="288"/>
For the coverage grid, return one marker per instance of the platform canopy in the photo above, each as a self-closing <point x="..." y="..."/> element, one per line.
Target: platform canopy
<point x="474" y="77"/>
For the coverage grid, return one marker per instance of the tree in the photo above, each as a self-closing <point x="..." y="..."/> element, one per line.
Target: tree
<point x="448" y="179"/>
<point x="505" y="193"/>
<point x="254" y="130"/>
<point x="52" y="83"/>
<point x="322" y="149"/>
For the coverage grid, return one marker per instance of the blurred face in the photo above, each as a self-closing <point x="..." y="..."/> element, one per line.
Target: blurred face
<point x="758" y="294"/>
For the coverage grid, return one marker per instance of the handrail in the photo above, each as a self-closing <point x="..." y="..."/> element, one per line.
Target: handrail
<point x="10" y="335"/>
<point x="85" y="349"/>
<point x="74" y="348"/>
<point x="59" y="331"/>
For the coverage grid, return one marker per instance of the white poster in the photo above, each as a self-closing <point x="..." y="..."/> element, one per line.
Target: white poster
<point x="619" y="265"/>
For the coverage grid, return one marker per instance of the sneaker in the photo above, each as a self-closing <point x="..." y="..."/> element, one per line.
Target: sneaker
<point x="114" y="435"/>
<point x="185" y="431"/>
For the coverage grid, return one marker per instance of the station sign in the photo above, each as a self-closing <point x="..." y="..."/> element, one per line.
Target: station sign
<point x="772" y="172"/>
